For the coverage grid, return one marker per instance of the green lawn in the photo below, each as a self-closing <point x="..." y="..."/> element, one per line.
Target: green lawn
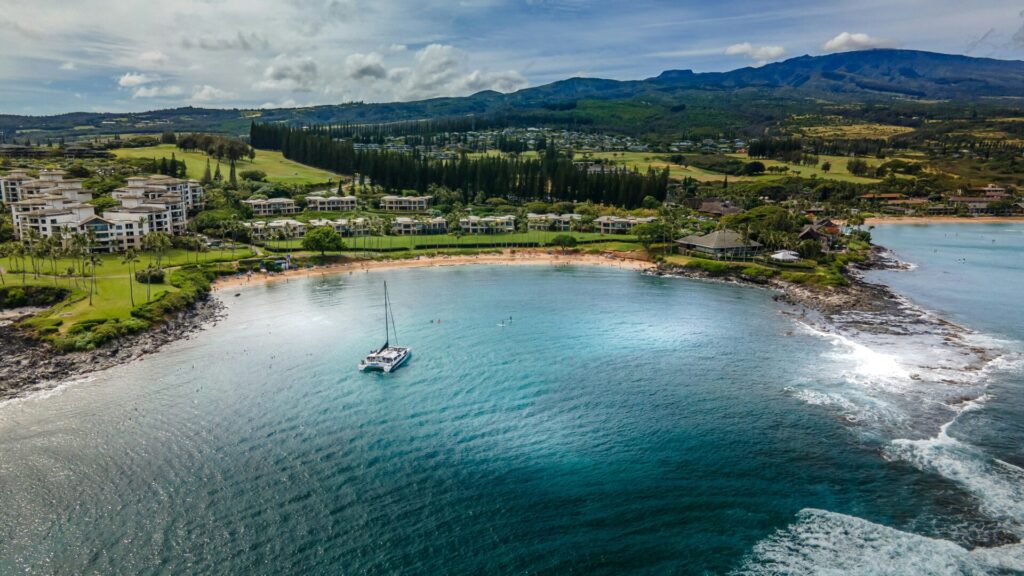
<point x="277" y="167"/>
<point x="659" y="161"/>
<point x="112" y="265"/>
<point x="373" y="243"/>
<point x="111" y="298"/>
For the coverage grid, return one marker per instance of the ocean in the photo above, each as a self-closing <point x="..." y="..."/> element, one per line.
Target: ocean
<point x="551" y="420"/>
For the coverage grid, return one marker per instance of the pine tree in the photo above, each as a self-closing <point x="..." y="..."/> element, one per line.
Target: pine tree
<point x="206" y="174"/>
<point x="216" y="175"/>
<point x="231" y="175"/>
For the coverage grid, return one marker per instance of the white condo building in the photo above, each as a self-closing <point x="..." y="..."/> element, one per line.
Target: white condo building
<point x="52" y="205"/>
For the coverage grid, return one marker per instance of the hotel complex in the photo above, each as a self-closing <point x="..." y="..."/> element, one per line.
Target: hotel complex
<point x="53" y="205"/>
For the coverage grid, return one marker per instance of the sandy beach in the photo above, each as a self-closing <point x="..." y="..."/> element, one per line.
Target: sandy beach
<point x="506" y="258"/>
<point x="943" y="220"/>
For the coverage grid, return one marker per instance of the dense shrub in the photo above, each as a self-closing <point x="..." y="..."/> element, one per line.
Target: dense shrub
<point x="18" y="296"/>
<point x="151" y="275"/>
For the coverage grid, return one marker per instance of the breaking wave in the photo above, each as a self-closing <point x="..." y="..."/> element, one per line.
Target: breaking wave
<point x="822" y="542"/>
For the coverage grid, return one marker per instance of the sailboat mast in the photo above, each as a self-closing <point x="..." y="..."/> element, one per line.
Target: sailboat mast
<point x="387" y="333"/>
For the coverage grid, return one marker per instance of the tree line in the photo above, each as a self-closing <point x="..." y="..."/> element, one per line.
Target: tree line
<point x="553" y="176"/>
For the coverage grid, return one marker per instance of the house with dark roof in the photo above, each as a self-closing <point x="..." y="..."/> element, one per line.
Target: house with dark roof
<point x="720" y="244"/>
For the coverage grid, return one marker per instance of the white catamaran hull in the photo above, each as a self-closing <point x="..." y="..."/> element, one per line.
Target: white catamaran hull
<point x="390" y="360"/>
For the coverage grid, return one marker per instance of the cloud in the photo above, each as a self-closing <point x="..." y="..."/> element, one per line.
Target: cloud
<point x="68" y="66"/>
<point x="240" y="42"/>
<point x="157" y="91"/>
<point x="287" y="73"/>
<point x="131" y="80"/>
<point x="845" y="42"/>
<point x="207" y="93"/>
<point x="438" y="70"/>
<point x="760" y="54"/>
<point x="153" y="58"/>
<point x="362" y="66"/>
<point x="508" y="81"/>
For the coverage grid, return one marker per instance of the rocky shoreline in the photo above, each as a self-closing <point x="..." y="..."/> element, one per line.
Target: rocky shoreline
<point x="27" y="365"/>
<point x="859" y="296"/>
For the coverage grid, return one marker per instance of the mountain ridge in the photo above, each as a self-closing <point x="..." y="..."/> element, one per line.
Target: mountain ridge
<point x="858" y="76"/>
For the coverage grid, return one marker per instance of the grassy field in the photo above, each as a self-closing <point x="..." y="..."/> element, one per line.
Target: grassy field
<point x="838" y="171"/>
<point x="111" y="298"/>
<point x="374" y="243"/>
<point x="643" y="160"/>
<point x="277" y="167"/>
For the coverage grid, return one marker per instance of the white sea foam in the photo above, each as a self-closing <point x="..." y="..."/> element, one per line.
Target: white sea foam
<point x="828" y="543"/>
<point x="907" y="387"/>
<point x="997" y="486"/>
<point x="41" y="392"/>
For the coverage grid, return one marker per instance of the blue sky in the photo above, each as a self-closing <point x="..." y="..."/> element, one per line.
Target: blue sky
<point x="130" y="55"/>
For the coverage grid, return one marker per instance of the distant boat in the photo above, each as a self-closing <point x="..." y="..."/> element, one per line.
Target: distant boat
<point x="387" y="357"/>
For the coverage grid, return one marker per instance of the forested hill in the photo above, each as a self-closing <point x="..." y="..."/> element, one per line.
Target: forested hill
<point x="674" y="101"/>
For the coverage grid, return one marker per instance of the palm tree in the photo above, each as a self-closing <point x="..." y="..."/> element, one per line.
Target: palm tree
<point x="5" y="252"/>
<point x="130" y="257"/>
<point x="18" y="251"/>
<point x="94" y="261"/>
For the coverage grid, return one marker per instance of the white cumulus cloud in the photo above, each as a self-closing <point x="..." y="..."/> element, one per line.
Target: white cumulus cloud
<point x="132" y="79"/>
<point x="157" y="91"/>
<point x="845" y="42"/>
<point x="207" y="93"/>
<point x="760" y="54"/>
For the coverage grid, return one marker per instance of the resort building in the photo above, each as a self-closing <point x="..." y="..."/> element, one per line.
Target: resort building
<point x="406" y="203"/>
<point x="53" y="205"/>
<point x="272" y="206"/>
<point x="720" y="244"/>
<point x="553" y="222"/>
<point x="158" y="185"/>
<point x="331" y="203"/>
<point x="619" y="225"/>
<point x="284" y="228"/>
<point x="344" y="226"/>
<point x="488" y="224"/>
<point x="824" y="232"/>
<point x="10" y="186"/>
<point x="403" y="226"/>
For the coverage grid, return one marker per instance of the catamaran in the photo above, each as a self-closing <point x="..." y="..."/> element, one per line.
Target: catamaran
<point x="387" y="357"/>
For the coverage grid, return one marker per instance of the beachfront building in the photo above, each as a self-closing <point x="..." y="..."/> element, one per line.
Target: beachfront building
<point x="620" y="225"/>
<point x="10" y="186"/>
<point x="720" y="244"/>
<point x="53" y="205"/>
<point x="331" y="203"/>
<point x="344" y="226"/>
<point x="272" y="206"/>
<point x="404" y="226"/>
<point x="825" y="232"/>
<point x="283" y="228"/>
<point x="406" y="203"/>
<point x="553" y="222"/>
<point x="488" y="224"/>
<point x="158" y="185"/>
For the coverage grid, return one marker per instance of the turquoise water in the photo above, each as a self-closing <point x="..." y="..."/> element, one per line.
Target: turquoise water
<point x="619" y="423"/>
